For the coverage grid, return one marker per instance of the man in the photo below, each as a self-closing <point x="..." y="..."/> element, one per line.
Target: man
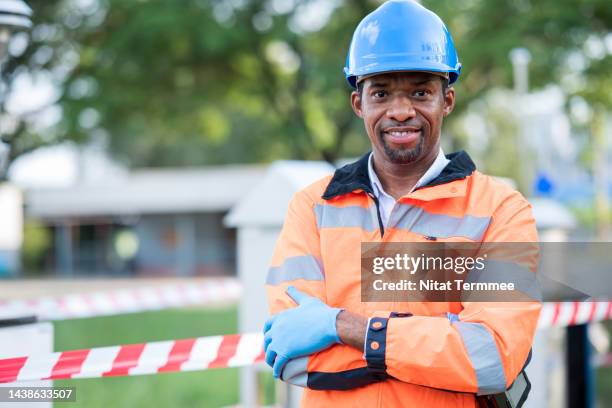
<point x="348" y="353"/>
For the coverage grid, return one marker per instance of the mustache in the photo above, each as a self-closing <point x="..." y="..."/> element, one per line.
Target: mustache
<point x="399" y="125"/>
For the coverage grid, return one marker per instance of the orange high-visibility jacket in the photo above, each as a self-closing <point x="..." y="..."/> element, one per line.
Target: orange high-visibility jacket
<point x="431" y="354"/>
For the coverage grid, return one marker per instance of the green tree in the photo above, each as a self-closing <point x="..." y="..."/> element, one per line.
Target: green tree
<point x="206" y="82"/>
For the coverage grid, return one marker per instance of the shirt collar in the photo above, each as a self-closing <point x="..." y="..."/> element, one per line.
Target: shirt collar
<point x="432" y="172"/>
<point x="376" y="184"/>
<point x="354" y="177"/>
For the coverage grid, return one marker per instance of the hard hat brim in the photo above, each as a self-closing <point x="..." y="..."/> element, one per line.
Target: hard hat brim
<point x="451" y="75"/>
<point x="437" y="73"/>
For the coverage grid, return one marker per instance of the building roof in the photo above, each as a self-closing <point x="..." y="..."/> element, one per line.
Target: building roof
<point x="205" y="189"/>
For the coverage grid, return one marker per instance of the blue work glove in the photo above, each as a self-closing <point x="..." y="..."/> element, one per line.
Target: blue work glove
<point x="300" y="331"/>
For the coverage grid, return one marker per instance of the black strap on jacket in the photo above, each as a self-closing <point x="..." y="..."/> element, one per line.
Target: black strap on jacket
<point x="514" y="397"/>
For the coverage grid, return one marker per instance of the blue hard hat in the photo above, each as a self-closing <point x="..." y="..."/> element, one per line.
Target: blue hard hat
<point x="401" y="35"/>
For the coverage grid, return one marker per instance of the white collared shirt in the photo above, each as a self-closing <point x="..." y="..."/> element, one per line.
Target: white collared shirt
<point x="387" y="202"/>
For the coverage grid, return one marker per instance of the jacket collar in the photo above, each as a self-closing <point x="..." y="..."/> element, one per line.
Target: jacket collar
<point x="354" y="176"/>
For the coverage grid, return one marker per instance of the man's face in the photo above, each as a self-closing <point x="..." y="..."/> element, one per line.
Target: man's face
<point x="403" y="113"/>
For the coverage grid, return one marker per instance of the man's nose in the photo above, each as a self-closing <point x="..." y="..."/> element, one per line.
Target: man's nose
<point x="401" y="109"/>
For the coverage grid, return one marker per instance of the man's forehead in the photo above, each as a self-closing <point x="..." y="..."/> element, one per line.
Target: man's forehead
<point x="408" y="76"/>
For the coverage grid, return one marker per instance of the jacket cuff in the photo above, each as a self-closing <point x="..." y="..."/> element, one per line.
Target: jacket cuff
<point x="376" y="344"/>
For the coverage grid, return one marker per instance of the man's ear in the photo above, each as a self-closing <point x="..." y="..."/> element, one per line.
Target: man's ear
<point x="356" y="103"/>
<point x="449" y="100"/>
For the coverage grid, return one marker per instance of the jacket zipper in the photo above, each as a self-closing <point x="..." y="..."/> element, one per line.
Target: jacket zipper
<point x="380" y="222"/>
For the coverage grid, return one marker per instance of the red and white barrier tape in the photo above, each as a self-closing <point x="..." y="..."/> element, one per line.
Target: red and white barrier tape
<point x="203" y="353"/>
<point x="562" y="314"/>
<point x="120" y="301"/>
<point x="200" y="353"/>
<point x="125" y="300"/>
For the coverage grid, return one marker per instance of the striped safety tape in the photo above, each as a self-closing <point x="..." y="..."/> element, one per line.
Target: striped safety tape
<point x="200" y="353"/>
<point x="204" y="353"/>
<point x="562" y="314"/>
<point x="121" y="301"/>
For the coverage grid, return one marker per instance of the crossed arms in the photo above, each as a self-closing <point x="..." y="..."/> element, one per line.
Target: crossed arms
<point x="480" y="349"/>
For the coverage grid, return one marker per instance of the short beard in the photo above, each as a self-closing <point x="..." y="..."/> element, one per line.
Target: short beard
<point x="403" y="156"/>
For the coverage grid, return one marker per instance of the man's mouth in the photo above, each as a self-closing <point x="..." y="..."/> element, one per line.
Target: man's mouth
<point x="402" y="135"/>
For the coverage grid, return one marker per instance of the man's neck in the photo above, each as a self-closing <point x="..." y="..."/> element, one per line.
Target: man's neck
<point x="399" y="179"/>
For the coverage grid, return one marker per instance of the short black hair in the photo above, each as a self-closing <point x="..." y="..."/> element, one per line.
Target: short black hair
<point x="445" y="85"/>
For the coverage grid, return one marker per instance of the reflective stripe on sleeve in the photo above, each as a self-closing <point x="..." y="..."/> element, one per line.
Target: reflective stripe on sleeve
<point x="484" y="356"/>
<point x="417" y="220"/>
<point x="305" y="267"/>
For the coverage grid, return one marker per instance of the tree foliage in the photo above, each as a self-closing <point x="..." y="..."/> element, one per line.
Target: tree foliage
<point x="211" y="81"/>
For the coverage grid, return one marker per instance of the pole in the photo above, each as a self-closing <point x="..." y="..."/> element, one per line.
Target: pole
<point x="15" y="15"/>
<point x="600" y="176"/>
<point x="579" y="376"/>
<point x="5" y="148"/>
<point x="5" y="36"/>
<point x="520" y="58"/>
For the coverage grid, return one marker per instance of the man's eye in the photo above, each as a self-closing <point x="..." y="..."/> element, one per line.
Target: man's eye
<point x="379" y="94"/>
<point x="421" y="93"/>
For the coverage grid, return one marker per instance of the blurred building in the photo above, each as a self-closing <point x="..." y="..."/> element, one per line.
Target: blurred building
<point x="148" y="222"/>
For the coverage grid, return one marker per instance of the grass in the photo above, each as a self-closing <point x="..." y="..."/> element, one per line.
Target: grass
<point x="603" y="386"/>
<point x="603" y="379"/>
<point x="212" y="388"/>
